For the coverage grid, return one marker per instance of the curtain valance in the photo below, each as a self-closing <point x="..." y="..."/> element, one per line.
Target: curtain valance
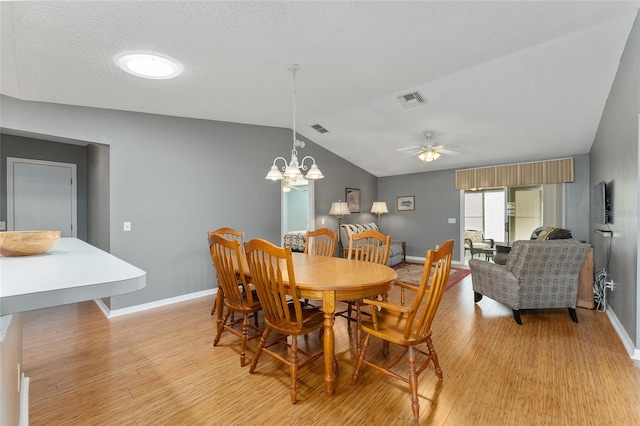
<point x="536" y="173"/>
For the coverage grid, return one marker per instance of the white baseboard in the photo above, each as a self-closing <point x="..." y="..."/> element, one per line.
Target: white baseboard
<point x="633" y="352"/>
<point x="158" y="303"/>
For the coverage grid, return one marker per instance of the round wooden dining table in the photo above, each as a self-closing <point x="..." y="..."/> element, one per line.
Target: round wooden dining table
<point x="332" y="279"/>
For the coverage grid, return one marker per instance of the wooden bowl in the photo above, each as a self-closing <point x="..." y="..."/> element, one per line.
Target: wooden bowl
<point x="27" y="243"/>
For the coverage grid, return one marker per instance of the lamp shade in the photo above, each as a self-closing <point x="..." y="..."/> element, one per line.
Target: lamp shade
<point x="339" y="208"/>
<point x="379" y="207"/>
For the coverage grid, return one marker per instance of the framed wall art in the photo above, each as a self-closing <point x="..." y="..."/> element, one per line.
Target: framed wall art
<point x="352" y="195"/>
<point x="406" y="203"/>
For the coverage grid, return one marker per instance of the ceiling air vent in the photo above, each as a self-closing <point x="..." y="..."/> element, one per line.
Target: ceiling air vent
<point x="319" y="128"/>
<point x="412" y="99"/>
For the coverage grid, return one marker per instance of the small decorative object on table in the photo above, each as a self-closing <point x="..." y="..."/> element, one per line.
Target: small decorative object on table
<point x="27" y="243"/>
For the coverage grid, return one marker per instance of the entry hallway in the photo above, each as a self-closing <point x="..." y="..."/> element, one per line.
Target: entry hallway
<point x="159" y="367"/>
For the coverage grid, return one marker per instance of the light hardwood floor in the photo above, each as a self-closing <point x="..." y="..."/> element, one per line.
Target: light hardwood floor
<point x="159" y="367"/>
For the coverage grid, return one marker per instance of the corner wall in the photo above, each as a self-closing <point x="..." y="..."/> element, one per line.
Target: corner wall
<point x="614" y="159"/>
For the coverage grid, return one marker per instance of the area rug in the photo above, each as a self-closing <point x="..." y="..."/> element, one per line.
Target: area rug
<point x="411" y="273"/>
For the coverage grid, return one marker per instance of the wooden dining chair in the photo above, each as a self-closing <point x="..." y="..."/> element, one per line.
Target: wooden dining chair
<point x="226" y="255"/>
<point x="409" y="326"/>
<point x="321" y="242"/>
<point x="272" y="274"/>
<point x="368" y="246"/>
<point x="231" y="234"/>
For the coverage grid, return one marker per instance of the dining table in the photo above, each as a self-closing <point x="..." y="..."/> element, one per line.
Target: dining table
<point x="332" y="279"/>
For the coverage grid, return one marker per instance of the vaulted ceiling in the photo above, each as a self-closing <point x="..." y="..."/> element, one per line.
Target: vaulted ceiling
<point x="503" y="82"/>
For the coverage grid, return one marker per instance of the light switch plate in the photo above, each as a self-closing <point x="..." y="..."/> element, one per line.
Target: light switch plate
<point x="126" y="226"/>
<point x="452" y="220"/>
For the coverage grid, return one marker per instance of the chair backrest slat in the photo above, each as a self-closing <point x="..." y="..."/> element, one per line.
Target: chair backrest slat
<point x="321" y="242"/>
<point x="272" y="275"/>
<point x="437" y="266"/>
<point x="226" y="255"/>
<point x="370" y="246"/>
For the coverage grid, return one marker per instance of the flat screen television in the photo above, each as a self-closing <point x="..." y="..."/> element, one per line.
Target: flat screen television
<point x="600" y="203"/>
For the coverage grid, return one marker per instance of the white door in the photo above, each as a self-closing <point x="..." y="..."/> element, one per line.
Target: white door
<point x="41" y="195"/>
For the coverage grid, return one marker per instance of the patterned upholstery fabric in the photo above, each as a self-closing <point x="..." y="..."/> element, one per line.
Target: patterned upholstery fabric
<point x="295" y="239"/>
<point x="538" y="274"/>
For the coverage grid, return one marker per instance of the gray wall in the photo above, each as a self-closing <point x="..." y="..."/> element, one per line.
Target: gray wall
<point x="577" y="199"/>
<point x="436" y="200"/>
<point x="98" y="195"/>
<point x="175" y="179"/>
<point x="35" y="149"/>
<point x="614" y="159"/>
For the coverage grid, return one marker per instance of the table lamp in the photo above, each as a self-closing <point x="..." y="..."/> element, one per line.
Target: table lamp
<point x="379" y="208"/>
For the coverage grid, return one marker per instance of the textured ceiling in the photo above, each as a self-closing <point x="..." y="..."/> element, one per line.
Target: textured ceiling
<point x="505" y="81"/>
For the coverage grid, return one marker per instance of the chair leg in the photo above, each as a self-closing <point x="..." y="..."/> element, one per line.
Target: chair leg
<point x="293" y="366"/>
<point x="215" y="304"/>
<point x="363" y="353"/>
<point x="358" y="322"/>
<point x="263" y="340"/>
<point x="477" y="297"/>
<point x="349" y="316"/>
<point x="413" y="383"/>
<point x="572" y="314"/>
<point x="434" y="358"/>
<point x="221" y="327"/>
<point x="243" y="339"/>
<point x="516" y="316"/>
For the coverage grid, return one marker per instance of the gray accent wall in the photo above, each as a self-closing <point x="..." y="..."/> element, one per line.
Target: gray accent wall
<point x="614" y="159"/>
<point x="36" y="149"/>
<point x="436" y="200"/>
<point x="175" y="179"/>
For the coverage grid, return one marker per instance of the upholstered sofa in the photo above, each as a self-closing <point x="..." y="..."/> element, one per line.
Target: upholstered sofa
<point x="395" y="251"/>
<point x="538" y="274"/>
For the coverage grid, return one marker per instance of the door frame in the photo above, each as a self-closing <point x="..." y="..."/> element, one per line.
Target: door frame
<point x="11" y="161"/>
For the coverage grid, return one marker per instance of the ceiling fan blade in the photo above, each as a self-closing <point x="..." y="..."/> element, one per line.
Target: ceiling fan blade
<point x="411" y="150"/>
<point x="446" y="151"/>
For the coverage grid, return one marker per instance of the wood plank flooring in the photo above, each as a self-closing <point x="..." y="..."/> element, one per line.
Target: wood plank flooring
<point x="159" y="368"/>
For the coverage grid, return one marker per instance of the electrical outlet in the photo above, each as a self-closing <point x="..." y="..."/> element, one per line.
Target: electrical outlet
<point x="437" y="246"/>
<point x="3" y="225"/>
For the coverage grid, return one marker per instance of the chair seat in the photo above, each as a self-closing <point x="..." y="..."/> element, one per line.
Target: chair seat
<point x="390" y="327"/>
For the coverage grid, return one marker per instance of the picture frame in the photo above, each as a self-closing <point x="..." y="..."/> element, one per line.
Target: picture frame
<point x="352" y="196"/>
<point x="406" y="203"/>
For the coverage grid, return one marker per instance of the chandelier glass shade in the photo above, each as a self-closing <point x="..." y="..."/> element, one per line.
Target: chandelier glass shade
<point x="292" y="171"/>
<point x="429" y="155"/>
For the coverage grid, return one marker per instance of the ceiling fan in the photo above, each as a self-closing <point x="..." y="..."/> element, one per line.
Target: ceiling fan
<point x="428" y="151"/>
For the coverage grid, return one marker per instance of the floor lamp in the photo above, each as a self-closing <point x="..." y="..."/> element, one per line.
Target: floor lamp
<point x="339" y="209"/>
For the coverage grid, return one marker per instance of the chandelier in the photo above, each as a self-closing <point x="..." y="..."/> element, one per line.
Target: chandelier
<point x="292" y="171"/>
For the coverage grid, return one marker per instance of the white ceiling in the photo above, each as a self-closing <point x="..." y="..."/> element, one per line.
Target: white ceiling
<point x="505" y="81"/>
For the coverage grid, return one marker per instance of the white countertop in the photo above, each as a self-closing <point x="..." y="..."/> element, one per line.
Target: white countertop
<point x="72" y="271"/>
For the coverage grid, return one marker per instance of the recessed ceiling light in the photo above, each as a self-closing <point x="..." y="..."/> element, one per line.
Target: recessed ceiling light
<point x="149" y="66"/>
